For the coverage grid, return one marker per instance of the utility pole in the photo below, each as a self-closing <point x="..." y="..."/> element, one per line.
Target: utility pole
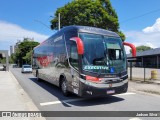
<point x="31" y="55"/>
<point x="59" y="22"/>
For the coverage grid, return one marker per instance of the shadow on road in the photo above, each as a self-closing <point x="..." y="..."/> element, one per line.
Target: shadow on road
<point x="54" y="90"/>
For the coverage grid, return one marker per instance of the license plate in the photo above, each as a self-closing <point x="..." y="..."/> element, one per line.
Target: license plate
<point x="110" y="91"/>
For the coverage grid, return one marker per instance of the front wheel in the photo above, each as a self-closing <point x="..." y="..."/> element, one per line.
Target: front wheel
<point x="64" y="87"/>
<point x="39" y="79"/>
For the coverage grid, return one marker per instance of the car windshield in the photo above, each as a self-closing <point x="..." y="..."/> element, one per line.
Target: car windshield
<point x="27" y="66"/>
<point x="103" y="54"/>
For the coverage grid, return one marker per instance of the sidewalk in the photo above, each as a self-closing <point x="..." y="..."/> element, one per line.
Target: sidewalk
<point x="136" y="86"/>
<point x="139" y="84"/>
<point x="13" y="97"/>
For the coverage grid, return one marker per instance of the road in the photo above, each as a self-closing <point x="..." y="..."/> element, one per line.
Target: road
<point x="48" y="97"/>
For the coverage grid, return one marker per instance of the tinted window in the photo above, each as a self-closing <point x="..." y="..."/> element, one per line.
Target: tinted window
<point x="27" y="66"/>
<point x="102" y="54"/>
<point x="73" y="54"/>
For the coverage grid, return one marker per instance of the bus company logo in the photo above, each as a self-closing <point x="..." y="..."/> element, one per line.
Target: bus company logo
<point x="58" y="38"/>
<point x="90" y="67"/>
<point x="20" y="114"/>
<point x="45" y="60"/>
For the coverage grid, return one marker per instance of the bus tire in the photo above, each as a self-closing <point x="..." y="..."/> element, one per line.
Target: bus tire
<point x="38" y="79"/>
<point x="64" y="87"/>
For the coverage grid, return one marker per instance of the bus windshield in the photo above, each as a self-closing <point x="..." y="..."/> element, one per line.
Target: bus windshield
<point x="103" y="54"/>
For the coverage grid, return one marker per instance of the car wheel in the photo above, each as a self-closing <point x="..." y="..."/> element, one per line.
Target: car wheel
<point x="64" y="87"/>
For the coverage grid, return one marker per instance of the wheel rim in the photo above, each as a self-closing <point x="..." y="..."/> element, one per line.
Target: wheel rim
<point x="64" y="87"/>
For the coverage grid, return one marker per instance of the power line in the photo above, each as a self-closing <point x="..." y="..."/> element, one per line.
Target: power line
<point x="133" y="18"/>
<point x="43" y="24"/>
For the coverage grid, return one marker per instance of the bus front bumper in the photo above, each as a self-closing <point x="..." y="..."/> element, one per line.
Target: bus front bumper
<point x="89" y="89"/>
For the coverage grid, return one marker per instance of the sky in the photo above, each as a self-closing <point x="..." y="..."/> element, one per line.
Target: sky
<point x="139" y="20"/>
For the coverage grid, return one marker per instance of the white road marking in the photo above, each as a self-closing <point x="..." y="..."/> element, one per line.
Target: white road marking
<point x="50" y="103"/>
<point x="128" y="93"/>
<point x="73" y="100"/>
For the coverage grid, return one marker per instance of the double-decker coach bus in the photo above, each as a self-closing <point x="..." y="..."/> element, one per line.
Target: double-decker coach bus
<point x="87" y="61"/>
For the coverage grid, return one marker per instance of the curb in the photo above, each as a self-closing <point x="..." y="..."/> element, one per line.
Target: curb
<point x="144" y="92"/>
<point x="145" y="87"/>
<point x="25" y="98"/>
<point x="146" y="82"/>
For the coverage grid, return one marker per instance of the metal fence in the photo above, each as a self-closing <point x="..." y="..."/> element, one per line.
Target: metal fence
<point x="137" y="73"/>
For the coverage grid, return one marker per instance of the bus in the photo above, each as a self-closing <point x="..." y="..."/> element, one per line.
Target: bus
<point x="83" y="60"/>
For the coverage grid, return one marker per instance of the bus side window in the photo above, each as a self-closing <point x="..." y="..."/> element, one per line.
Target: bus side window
<point x="73" y="54"/>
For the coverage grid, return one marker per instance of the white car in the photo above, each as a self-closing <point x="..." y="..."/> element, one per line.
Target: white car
<point x="26" y="69"/>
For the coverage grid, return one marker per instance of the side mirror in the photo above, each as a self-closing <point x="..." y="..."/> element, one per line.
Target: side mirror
<point x="80" y="46"/>
<point x="132" y="47"/>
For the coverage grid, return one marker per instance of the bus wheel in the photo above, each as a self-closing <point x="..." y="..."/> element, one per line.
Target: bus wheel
<point x="64" y="87"/>
<point x="39" y="79"/>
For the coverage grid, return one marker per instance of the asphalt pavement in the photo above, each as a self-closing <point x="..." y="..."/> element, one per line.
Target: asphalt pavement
<point x="22" y="92"/>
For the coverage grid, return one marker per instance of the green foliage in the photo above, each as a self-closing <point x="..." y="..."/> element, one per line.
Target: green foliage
<point x="28" y="56"/>
<point x="23" y="54"/>
<point x="142" y="48"/>
<point x="96" y="13"/>
<point x="3" y="61"/>
<point x="11" y="60"/>
<point x="121" y="35"/>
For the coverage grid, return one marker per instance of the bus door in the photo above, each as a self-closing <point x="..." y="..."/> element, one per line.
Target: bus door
<point x="75" y="64"/>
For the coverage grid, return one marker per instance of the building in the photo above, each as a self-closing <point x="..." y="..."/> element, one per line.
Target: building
<point x="148" y="58"/>
<point x="11" y="50"/>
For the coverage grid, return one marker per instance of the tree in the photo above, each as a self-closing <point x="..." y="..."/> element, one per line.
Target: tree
<point x="142" y="48"/>
<point x="28" y="56"/>
<point x="96" y="13"/>
<point x="23" y="53"/>
<point x="3" y="60"/>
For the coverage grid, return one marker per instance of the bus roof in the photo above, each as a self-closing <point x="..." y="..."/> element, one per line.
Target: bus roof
<point x="88" y="29"/>
<point x="84" y="29"/>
